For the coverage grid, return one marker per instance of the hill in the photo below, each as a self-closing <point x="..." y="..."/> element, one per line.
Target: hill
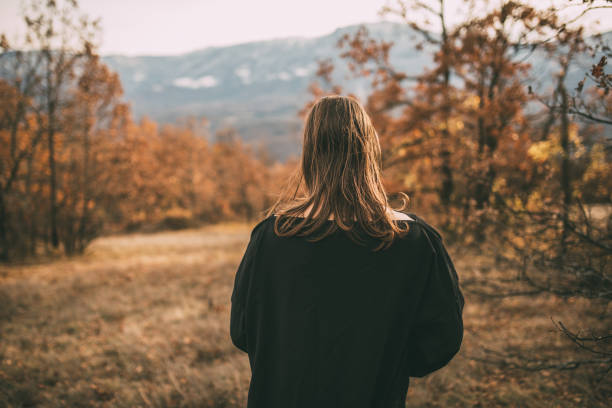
<point x="258" y="87"/>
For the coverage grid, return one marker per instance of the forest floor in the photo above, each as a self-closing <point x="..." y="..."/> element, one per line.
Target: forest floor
<point x="143" y="320"/>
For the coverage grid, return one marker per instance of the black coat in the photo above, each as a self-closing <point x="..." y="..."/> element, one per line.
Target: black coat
<point x="332" y="324"/>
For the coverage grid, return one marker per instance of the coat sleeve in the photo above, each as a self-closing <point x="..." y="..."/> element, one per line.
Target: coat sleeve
<point x="242" y="281"/>
<point x="438" y="331"/>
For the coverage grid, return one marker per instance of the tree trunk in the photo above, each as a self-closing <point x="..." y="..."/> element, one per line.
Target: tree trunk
<point x="481" y="192"/>
<point x="566" y="187"/>
<point x="81" y="235"/>
<point x="447" y="174"/>
<point x="52" y="179"/>
<point x="4" y="249"/>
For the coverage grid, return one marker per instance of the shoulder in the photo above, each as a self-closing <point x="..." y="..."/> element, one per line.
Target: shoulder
<point x="431" y="234"/>
<point x="430" y="229"/>
<point x="259" y="228"/>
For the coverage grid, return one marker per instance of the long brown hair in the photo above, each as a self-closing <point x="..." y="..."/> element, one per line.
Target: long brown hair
<point x="341" y="167"/>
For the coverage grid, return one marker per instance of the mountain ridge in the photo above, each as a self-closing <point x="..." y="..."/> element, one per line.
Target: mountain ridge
<point x="258" y="87"/>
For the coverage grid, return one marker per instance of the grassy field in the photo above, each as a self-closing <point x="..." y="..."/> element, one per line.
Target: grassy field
<point x="143" y="320"/>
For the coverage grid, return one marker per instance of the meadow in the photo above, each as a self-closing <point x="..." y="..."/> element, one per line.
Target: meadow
<point x="142" y="320"/>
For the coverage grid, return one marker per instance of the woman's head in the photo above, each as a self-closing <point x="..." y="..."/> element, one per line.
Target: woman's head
<point x="340" y="144"/>
<point x="341" y="169"/>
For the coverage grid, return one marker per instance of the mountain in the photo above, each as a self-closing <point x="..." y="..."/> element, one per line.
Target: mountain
<point x="256" y="87"/>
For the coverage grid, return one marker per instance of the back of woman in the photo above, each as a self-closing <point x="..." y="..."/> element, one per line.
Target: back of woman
<point x="339" y="299"/>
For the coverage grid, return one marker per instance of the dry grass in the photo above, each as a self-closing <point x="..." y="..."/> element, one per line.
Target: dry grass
<point x="143" y="320"/>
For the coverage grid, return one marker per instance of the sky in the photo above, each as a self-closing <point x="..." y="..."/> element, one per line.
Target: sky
<point x="164" y="27"/>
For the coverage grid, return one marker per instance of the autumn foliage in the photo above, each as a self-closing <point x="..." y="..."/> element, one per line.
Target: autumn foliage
<point x="120" y="175"/>
<point x="74" y="164"/>
<point x="171" y="177"/>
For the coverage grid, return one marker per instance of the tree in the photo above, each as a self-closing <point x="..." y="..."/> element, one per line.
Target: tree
<point x="64" y="39"/>
<point x="57" y="91"/>
<point x="438" y="77"/>
<point x="567" y="249"/>
<point x="88" y="134"/>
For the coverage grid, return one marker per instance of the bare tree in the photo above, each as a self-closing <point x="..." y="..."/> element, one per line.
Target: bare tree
<point x="63" y="38"/>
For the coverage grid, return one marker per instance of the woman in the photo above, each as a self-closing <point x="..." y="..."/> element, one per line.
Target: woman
<point x="339" y="299"/>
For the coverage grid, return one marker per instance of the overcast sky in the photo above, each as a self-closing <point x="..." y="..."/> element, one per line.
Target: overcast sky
<point x="163" y="27"/>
